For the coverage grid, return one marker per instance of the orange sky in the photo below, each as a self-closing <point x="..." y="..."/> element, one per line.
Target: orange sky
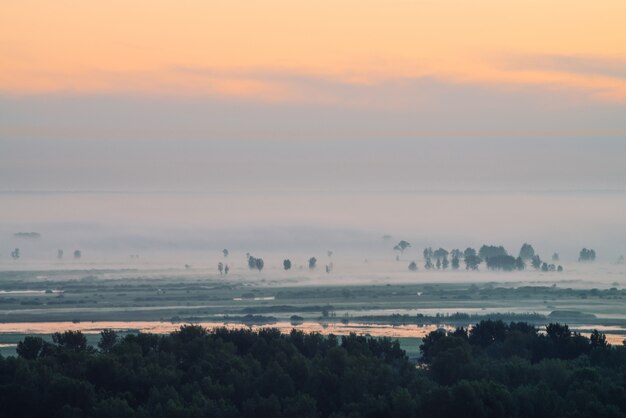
<point x="268" y="50"/>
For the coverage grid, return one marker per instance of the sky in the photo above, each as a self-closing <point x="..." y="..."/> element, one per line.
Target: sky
<point x="447" y="122"/>
<point x="344" y="95"/>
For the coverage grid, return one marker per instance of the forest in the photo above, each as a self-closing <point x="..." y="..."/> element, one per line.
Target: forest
<point x="494" y="369"/>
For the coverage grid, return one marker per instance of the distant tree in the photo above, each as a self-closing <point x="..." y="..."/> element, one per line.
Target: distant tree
<point x="108" y="338"/>
<point x="440" y="253"/>
<point x="328" y="269"/>
<point x="225" y="252"/>
<point x="413" y="266"/>
<point x="456" y="253"/>
<point x="559" y="269"/>
<point x="438" y="264"/>
<point x="78" y="254"/>
<point x="544" y="267"/>
<point x="312" y="263"/>
<point x="428" y="265"/>
<point x="536" y="262"/>
<point x="587" y="255"/>
<point x="519" y="263"/>
<point x="59" y="254"/>
<point x="251" y="262"/>
<point x="401" y="246"/>
<point x="287" y="264"/>
<point x="259" y="263"/>
<point x="255" y="263"/>
<point x="501" y="262"/>
<point x="527" y="252"/>
<point x="487" y="251"/>
<point x="469" y="252"/>
<point x="220" y="268"/>
<point x="15" y="254"/>
<point x="455" y="263"/>
<point x="226" y="270"/>
<point x="444" y="262"/>
<point x="472" y="261"/>
<point x="555" y="257"/>
<point x="428" y="253"/>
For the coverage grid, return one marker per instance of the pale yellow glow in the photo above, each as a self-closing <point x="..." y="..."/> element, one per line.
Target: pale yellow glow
<point x="150" y="46"/>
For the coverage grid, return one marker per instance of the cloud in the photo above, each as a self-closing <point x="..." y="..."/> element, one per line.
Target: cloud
<point x="575" y="64"/>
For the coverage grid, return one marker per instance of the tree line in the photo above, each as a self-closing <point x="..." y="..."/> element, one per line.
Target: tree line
<point x="495" y="369"/>
<point x="494" y="257"/>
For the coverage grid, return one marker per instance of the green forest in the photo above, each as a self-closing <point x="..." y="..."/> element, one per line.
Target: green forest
<point x="495" y="369"/>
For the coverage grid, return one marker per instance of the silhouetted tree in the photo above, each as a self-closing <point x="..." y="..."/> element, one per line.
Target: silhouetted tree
<point x="444" y="262"/>
<point x="455" y="263"/>
<point x="220" y="268"/>
<point x="77" y="254"/>
<point x="501" y="262"/>
<point x="108" y="339"/>
<point x="428" y="265"/>
<point x="287" y="264"/>
<point x="225" y="252"/>
<point x="413" y="266"/>
<point x="401" y="246"/>
<point x="587" y="255"/>
<point x="440" y="253"/>
<point x="536" y="262"/>
<point x="30" y="347"/>
<point x="259" y="263"/>
<point x="527" y="252"/>
<point x="555" y="257"/>
<point x="487" y="251"/>
<point x="312" y="263"/>
<point x="15" y="253"/>
<point x="469" y="252"/>
<point x="472" y="261"/>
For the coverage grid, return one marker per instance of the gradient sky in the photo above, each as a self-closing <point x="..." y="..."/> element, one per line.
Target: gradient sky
<point x="198" y="75"/>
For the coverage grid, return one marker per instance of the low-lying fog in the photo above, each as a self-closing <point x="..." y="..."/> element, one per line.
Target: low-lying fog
<point x="170" y="230"/>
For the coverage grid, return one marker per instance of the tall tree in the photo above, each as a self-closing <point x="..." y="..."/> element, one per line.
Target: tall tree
<point x="401" y="246"/>
<point x="527" y="252"/>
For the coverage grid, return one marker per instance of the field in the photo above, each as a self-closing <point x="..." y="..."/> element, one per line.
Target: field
<point x="403" y="306"/>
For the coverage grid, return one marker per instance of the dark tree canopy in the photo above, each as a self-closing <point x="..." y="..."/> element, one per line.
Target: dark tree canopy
<point x="287" y="264"/>
<point x="493" y="369"/>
